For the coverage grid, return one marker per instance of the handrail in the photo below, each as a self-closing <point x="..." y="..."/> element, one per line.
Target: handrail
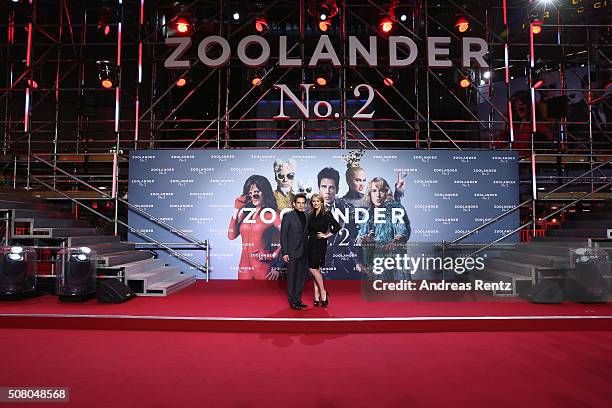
<point x="172" y="229"/>
<point x="469" y="233"/>
<point x="196" y="264"/>
<point x="548" y="216"/>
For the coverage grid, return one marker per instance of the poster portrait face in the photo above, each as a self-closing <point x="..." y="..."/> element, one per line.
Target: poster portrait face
<point x="328" y="189"/>
<point x="284" y="173"/>
<point x="357" y="181"/>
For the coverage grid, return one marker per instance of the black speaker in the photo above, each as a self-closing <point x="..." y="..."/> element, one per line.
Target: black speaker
<point x="113" y="291"/>
<point x="587" y="285"/>
<point x="546" y="291"/>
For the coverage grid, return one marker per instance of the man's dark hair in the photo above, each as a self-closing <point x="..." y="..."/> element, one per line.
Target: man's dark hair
<point x="299" y="195"/>
<point x="329" y="173"/>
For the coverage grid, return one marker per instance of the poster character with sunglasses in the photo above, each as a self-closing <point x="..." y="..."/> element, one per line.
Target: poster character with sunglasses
<point x="260" y="240"/>
<point x="284" y="174"/>
<point x="382" y="240"/>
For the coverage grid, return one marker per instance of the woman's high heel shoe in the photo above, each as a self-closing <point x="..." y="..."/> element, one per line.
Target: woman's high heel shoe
<point x="325" y="302"/>
<point x="315" y="302"/>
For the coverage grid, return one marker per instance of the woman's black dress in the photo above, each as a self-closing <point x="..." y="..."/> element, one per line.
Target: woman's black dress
<point x="317" y="247"/>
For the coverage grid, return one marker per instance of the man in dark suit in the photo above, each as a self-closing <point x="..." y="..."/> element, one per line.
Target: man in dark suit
<point x="293" y="241"/>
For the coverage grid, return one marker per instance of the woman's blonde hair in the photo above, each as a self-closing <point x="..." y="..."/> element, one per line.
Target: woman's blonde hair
<point x="381" y="184"/>
<point x="320" y="198"/>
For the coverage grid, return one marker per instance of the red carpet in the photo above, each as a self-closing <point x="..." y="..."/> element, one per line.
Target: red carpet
<point x="238" y="306"/>
<point x="268" y="299"/>
<point x="157" y="369"/>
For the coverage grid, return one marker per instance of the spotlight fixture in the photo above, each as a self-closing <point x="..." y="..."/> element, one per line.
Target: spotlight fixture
<point x="182" y="25"/>
<point x="465" y="78"/>
<point x="17" y="273"/>
<point x="535" y="22"/>
<point x="32" y="84"/>
<point x="537" y="76"/>
<point x="261" y="25"/>
<point x="462" y="24"/>
<point x="236" y="16"/>
<point x="76" y="270"/>
<point x="386" y="25"/>
<point x="390" y="77"/>
<point x="105" y="19"/>
<point x="323" y="75"/>
<point x="256" y="76"/>
<point x="323" y="10"/>
<point x="107" y="73"/>
<point x="486" y="75"/>
<point x="324" y="25"/>
<point x="181" y="82"/>
<point x="536" y="27"/>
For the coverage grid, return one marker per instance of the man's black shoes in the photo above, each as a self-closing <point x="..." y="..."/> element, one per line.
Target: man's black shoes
<point x="298" y="306"/>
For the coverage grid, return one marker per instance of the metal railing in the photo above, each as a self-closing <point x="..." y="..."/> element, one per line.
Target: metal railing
<point x="535" y="197"/>
<point x="204" y="245"/>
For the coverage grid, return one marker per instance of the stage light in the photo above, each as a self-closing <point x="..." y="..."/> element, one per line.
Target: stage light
<point x="181" y="82"/>
<point x="487" y="74"/>
<point x="33" y="84"/>
<point x="403" y="17"/>
<point x="390" y="77"/>
<point x="256" y="76"/>
<point x="324" y="25"/>
<point x="464" y="83"/>
<point x="323" y="75"/>
<point x="323" y="10"/>
<point x="536" y="27"/>
<point x="17" y="273"/>
<point x="386" y="25"/>
<point x="106" y="73"/>
<point x="462" y="24"/>
<point x="236" y="16"/>
<point x="537" y="76"/>
<point x="261" y="25"/>
<point x="105" y="19"/>
<point x="76" y="274"/>
<point x="182" y="25"/>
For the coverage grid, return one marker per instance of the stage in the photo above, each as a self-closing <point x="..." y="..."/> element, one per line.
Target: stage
<point x="261" y="306"/>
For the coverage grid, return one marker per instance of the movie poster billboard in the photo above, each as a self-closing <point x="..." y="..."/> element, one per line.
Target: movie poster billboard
<point x="237" y="198"/>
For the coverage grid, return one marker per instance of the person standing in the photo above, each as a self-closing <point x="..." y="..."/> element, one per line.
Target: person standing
<point x="293" y="239"/>
<point x="321" y="226"/>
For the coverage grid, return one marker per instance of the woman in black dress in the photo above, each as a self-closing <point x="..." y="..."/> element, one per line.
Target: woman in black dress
<point x="321" y="225"/>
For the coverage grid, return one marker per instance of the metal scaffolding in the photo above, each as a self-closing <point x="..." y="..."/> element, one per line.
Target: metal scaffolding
<point x="52" y="104"/>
